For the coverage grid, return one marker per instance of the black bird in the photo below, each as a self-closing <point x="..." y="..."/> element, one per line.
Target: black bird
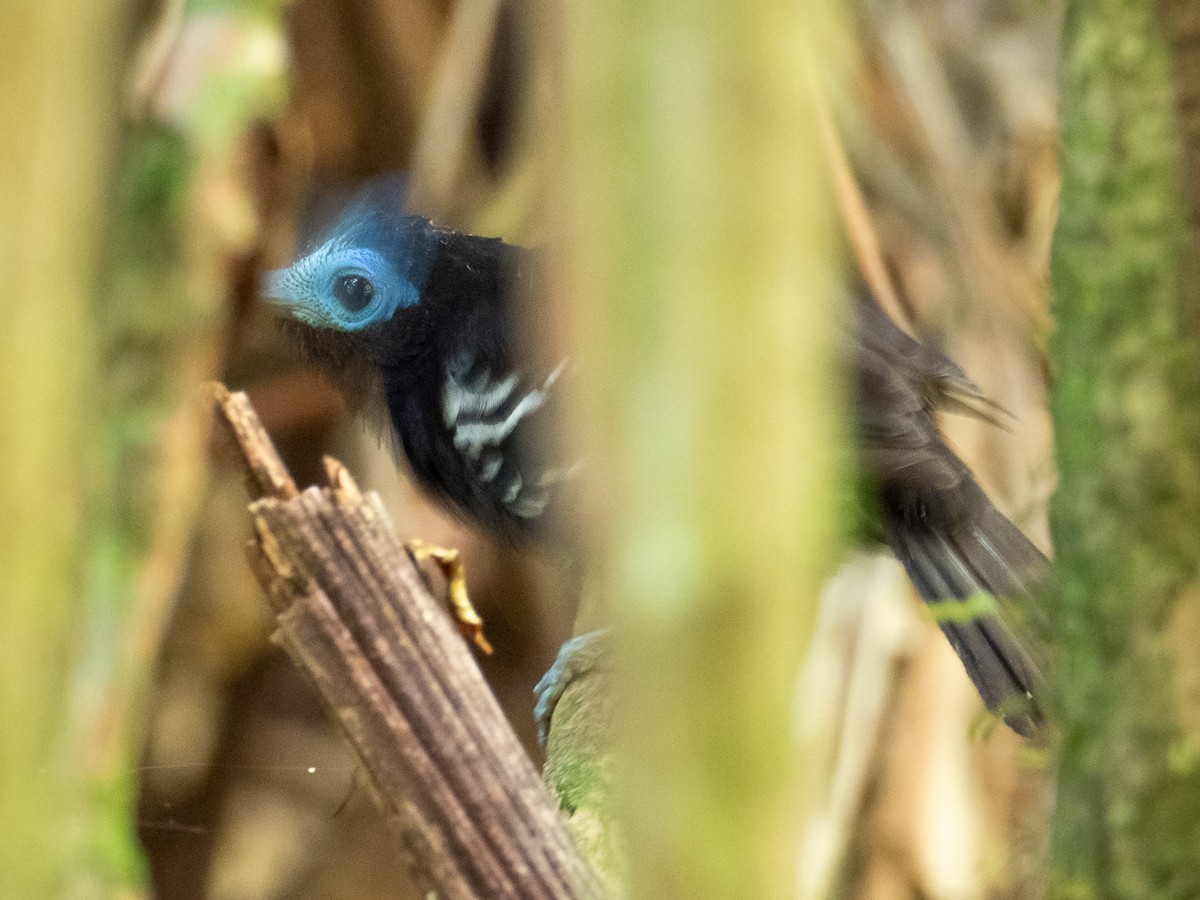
<point x="426" y="312"/>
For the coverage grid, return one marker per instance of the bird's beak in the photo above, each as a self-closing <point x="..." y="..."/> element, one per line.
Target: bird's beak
<point x="275" y="289"/>
<point x="280" y="293"/>
<point x="279" y="288"/>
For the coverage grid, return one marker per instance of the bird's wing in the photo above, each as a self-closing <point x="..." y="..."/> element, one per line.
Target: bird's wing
<point x="502" y="427"/>
<point x="959" y="550"/>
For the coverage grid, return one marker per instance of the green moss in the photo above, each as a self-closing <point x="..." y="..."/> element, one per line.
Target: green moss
<point x="580" y="769"/>
<point x="1127" y="414"/>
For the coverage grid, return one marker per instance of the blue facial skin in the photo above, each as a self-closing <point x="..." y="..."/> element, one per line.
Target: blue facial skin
<point x="373" y="263"/>
<point x="345" y="288"/>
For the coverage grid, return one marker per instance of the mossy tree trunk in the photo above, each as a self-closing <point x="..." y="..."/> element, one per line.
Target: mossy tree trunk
<point x="705" y="281"/>
<point x="1126" y="519"/>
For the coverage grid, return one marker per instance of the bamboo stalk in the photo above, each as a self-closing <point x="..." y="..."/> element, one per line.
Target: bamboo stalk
<point x="706" y="277"/>
<point x="58" y="118"/>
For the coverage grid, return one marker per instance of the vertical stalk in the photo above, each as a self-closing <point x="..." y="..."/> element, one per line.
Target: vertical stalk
<point x="57" y="118"/>
<point x="1126" y="519"/>
<point x="705" y="275"/>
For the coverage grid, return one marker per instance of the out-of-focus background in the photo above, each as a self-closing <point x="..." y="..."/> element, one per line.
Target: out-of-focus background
<point x="240" y="117"/>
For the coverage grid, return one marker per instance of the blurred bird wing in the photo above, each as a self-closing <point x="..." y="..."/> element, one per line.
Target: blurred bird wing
<point x="503" y="426"/>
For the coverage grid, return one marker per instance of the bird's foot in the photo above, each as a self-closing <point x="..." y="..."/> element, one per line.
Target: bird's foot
<point x="576" y="657"/>
<point x="451" y="566"/>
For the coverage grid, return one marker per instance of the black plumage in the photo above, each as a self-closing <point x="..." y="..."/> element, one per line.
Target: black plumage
<point x="478" y="430"/>
<point x="959" y="550"/>
<point x="459" y="335"/>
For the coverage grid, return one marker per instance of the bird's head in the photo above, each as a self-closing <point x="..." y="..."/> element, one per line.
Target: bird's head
<point x="342" y="287"/>
<point x="371" y="264"/>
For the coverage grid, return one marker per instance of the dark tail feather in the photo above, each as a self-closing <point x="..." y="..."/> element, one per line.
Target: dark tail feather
<point x="960" y="568"/>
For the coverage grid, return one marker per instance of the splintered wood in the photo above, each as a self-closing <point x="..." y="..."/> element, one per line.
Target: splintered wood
<point x="354" y="612"/>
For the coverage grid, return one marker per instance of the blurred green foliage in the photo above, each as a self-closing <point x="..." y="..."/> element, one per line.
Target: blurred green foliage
<point x="159" y="313"/>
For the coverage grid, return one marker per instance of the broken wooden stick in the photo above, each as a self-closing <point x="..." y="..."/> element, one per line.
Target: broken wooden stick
<point x="354" y="612"/>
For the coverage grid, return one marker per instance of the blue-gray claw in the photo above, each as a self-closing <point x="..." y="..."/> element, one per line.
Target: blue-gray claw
<point x="576" y="657"/>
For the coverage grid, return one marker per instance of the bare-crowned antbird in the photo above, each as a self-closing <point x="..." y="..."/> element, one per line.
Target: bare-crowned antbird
<point x="426" y="314"/>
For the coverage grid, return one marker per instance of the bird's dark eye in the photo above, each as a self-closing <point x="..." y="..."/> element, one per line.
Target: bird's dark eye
<point x="353" y="292"/>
